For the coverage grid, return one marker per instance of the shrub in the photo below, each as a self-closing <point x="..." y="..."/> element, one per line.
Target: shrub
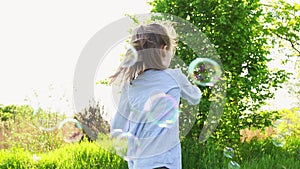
<point x="22" y="130"/>
<point x="260" y="154"/>
<point x="15" y="158"/>
<point x="289" y="124"/>
<point x="73" y="156"/>
<point x="92" y="120"/>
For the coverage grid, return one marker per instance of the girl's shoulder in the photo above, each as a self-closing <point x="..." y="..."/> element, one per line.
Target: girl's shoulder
<point x="176" y="73"/>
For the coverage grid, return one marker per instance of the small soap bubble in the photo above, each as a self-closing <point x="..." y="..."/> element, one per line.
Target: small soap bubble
<point x="162" y="110"/>
<point x="278" y="140"/>
<point x="228" y="152"/>
<point x="233" y="165"/>
<point x="130" y="57"/>
<point x="47" y="106"/>
<point x="204" y="71"/>
<point x="71" y="130"/>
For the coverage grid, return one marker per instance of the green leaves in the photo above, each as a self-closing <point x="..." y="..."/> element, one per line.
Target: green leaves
<point x="281" y="21"/>
<point x="240" y="31"/>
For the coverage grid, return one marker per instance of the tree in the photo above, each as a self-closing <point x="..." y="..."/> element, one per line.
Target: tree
<point x="239" y="37"/>
<point x="281" y="22"/>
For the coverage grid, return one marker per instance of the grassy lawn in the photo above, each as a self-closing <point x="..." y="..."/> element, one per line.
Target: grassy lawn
<point x="24" y="146"/>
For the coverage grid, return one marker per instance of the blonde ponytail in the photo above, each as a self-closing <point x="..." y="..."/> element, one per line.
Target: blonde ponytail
<point x="145" y="51"/>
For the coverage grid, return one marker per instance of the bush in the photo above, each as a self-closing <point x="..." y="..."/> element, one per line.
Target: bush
<point x="79" y="155"/>
<point x="92" y="120"/>
<point x="20" y="128"/>
<point x="196" y="155"/>
<point x="289" y="124"/>
<point x="15" y="158"/>
<point x="83" y="155"/>
<point x="260" y="154"/>
<point x="264" y="154"/>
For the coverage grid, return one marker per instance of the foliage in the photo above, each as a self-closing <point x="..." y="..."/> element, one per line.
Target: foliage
<point x="92" y="120"/>
<point x="263" y="154"/>
<point x="22" y="130"/>
<point x="11" y="111"/>
<point x="289" y="123"/>
<point x="294" y="85"/>
<point x="83" y="155"/>
<point x="15" y="158"/>
<point x="21" y="127"/>
<point x="282" y="23"/>
<point x="255" y="154"/>
<point x="235" y="29"/>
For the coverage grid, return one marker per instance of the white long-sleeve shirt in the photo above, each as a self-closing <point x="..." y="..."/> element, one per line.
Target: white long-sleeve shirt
<point x="149" y="110"/>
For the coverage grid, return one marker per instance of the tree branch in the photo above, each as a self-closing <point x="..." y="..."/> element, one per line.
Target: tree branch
<point x="292" y="44"/>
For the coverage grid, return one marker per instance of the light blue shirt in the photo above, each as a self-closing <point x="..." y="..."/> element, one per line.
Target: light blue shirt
<point x="148" y="109"/>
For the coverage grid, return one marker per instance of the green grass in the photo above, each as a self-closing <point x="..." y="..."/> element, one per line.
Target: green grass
<point x="257" y="154"/>
<point x="263" y="154"/>
<point x="20" y="139"/>
<point x="83" y="155"/>
<point x="15" y="158"/>
<point x="253" y="155"/>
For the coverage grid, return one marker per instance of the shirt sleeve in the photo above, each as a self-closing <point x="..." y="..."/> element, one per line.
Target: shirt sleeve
<point x="189" y="92"/>
<point x="120" y="119"/>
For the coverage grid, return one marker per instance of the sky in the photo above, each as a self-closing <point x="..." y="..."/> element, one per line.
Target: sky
<point x="42" y="40"/>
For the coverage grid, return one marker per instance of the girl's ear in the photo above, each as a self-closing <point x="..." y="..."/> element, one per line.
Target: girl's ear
<point x="164" y="50"/>
<point x="164" y="47"/>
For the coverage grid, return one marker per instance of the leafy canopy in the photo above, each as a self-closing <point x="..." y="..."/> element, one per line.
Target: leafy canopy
<point x="243" y="42"/>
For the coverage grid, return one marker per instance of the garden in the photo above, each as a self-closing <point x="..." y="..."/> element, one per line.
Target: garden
<point x="24" y="145"/>
<point x="245" y="34"/>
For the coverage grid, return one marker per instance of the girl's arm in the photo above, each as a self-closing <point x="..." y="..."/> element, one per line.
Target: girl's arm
<point x="189" y="92"/>
<point x="120" y="119"/>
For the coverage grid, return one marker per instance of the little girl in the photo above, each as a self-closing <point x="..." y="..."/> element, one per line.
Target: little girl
<point x="149" y="101"/>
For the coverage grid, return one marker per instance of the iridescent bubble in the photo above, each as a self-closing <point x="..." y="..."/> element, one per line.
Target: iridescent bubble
<point x="71" y="130"/>
<point x="233" y="165"/>
<point x="162" y="109"/>
<point x="204" y="71"/>
<point x="48" y="105"/>
<point x="278" y="140"/>
<point x="228" y="152"/>
<point x="120" y="142"/>
<point x="130" y="57"/>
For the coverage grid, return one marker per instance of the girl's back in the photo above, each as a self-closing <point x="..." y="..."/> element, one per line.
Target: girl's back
<point x="149" y="104"/>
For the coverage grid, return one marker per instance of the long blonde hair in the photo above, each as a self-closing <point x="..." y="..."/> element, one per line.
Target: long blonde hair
<point x="146" y="42"/>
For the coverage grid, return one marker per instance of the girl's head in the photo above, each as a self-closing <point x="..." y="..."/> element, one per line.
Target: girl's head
<point x="154" y="45"/>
